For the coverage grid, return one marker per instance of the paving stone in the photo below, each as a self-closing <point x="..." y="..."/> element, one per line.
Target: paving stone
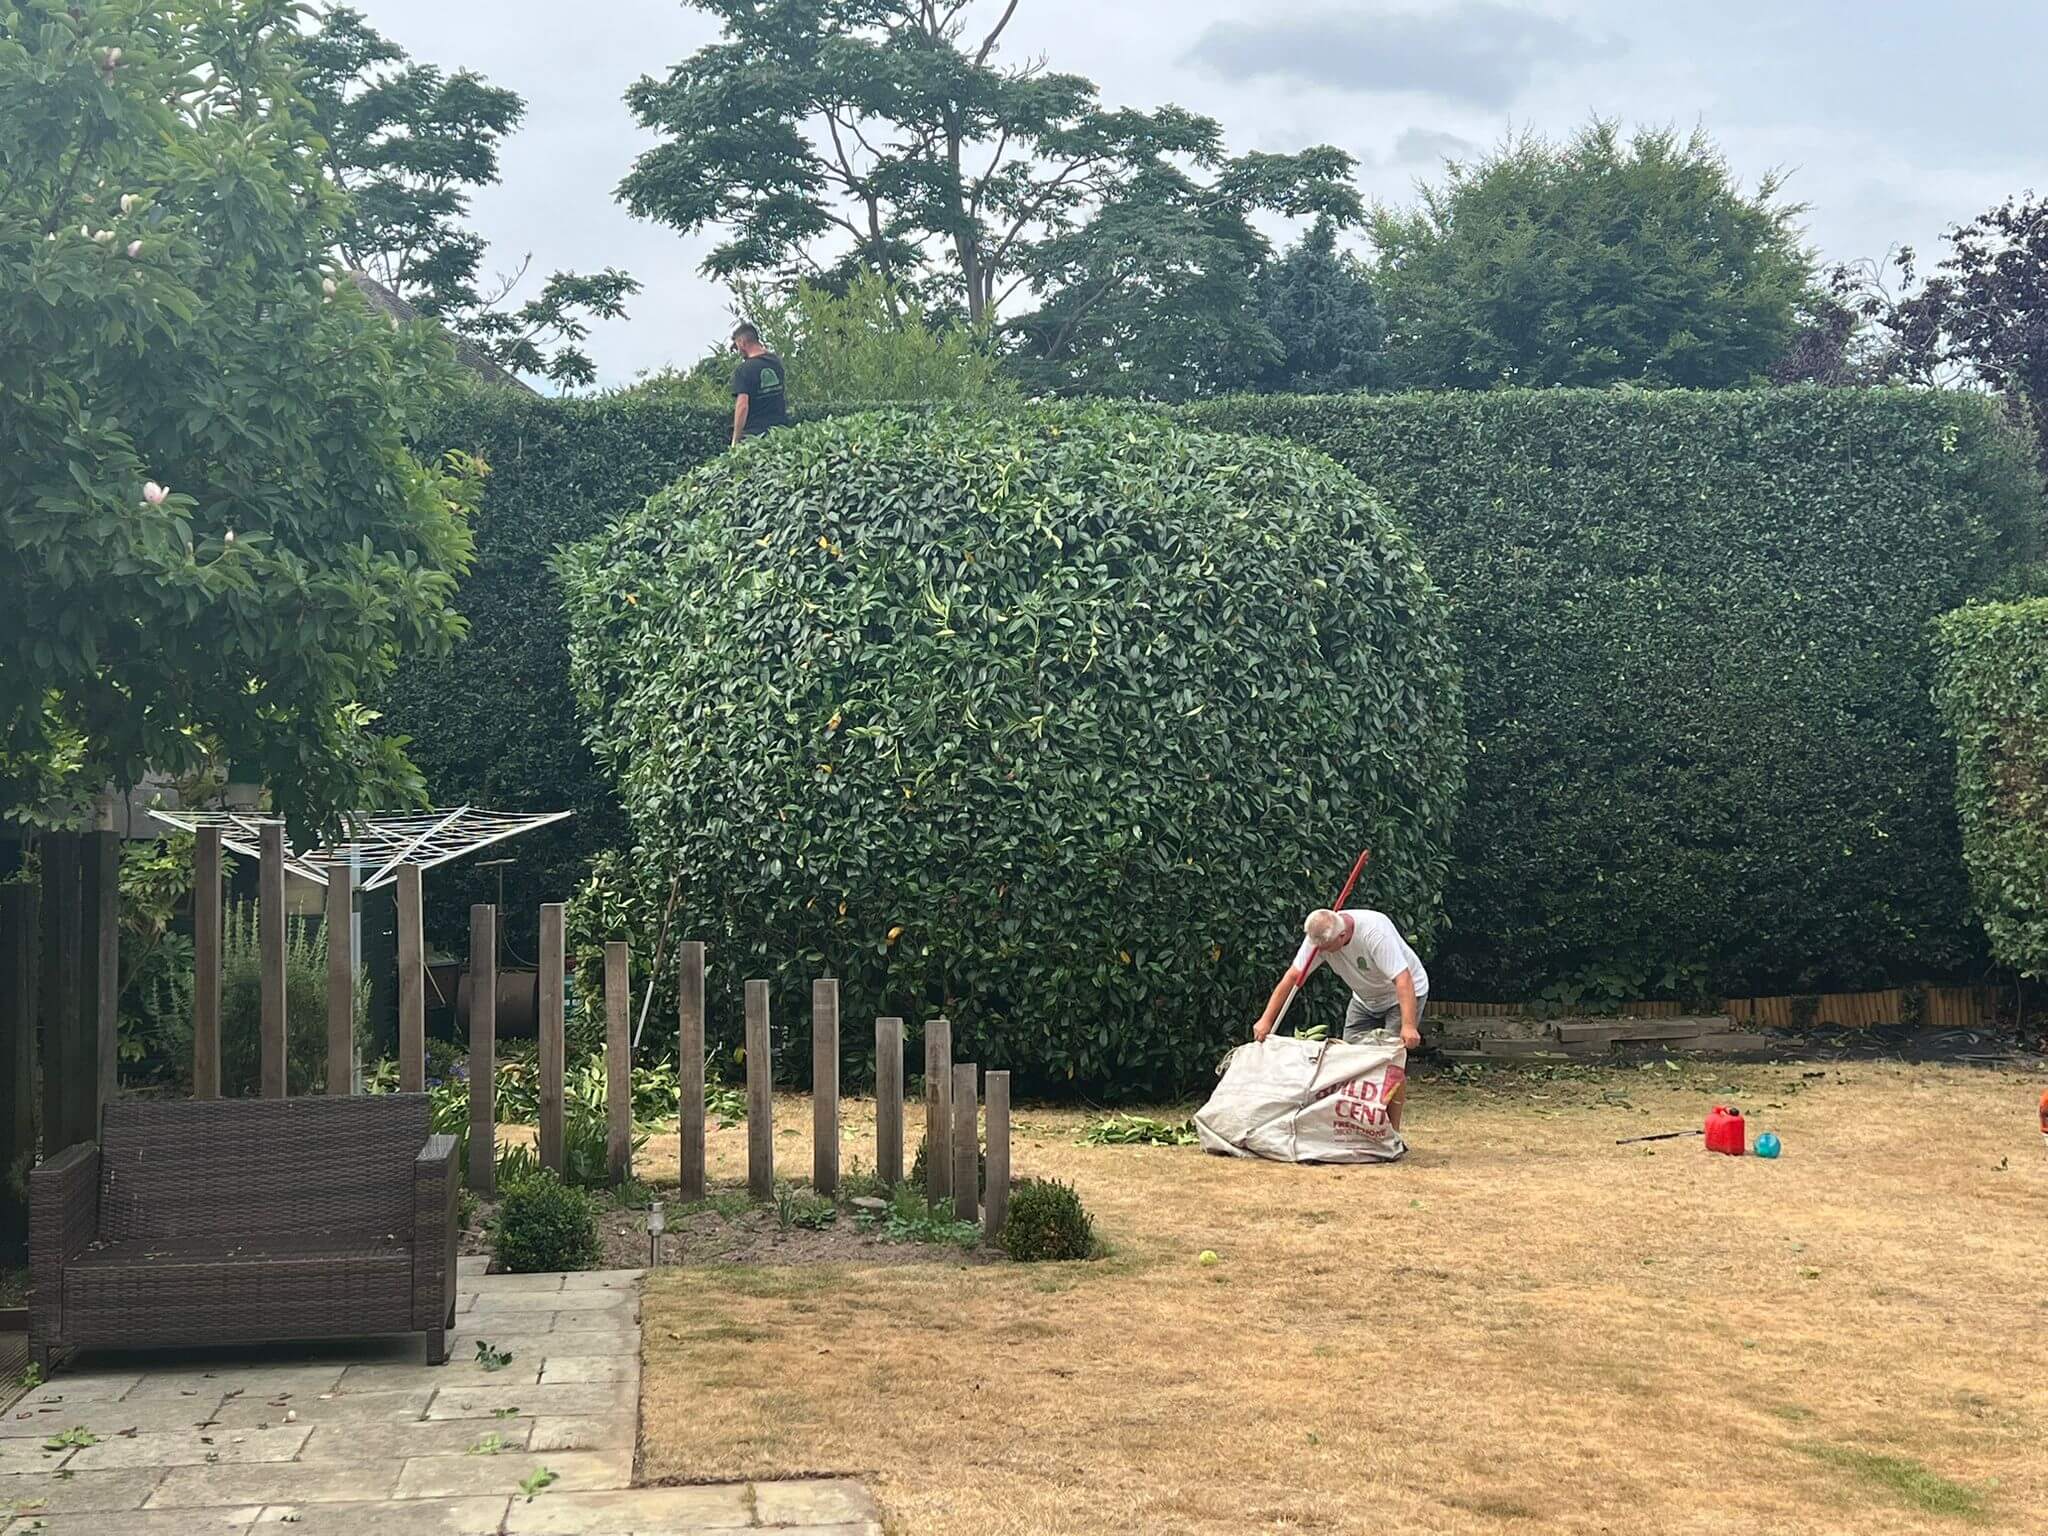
<point x="535" y="1402"/>
<point x="412" y="1517"/>
<point x="526" y="1342"/>
<point x="579" y="1370"/>
<point x="397" y="1442"/>
<point x="834" y="1501"/>
<point x="631" y="1512"/>
<point x="138" y="1522"/>
<point x="297" y="1380"/>
<point x="192" y="1448"/>
<point x="25" y="1453"/>
<point x="473" y="1264"/>
<point x="582" y="1433"/>
<point x="109" y="1419"/>
<point x="42" y="1493"/>
<point x="603" y="1280"/>
<point x="504" y="1285"/>
<point x="329" y="1408"/>
<point x="83" y="1387"/>
<point x="624" y="1323"/>
<point x="446" y="1477"/>
<point x="553" y="1301"/>
<point x="463" y="1370"/>
<point x="286" y="1482"/>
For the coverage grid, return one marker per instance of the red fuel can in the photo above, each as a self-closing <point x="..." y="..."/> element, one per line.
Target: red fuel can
<point x="1725" y="1132"/>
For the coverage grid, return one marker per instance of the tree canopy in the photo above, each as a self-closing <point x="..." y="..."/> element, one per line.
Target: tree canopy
<point x="213" y="541"/>
<point x="1320" y="305"/>
<point x="409" y="143"/>
<point x="1595" y="262"/>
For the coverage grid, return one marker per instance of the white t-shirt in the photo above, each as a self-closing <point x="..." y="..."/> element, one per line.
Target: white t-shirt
<point x="1371" y="958"/>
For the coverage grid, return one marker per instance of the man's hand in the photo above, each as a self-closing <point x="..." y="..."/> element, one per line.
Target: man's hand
<point x="1411" y="1037"/>
<point x="1262" y="1029"/>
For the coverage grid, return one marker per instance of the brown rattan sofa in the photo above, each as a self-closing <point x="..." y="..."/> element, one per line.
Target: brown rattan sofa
<point x="242" y="1221"/>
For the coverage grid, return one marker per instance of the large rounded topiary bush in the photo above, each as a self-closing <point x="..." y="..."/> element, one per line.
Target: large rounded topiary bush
<point x="1054" y="722"/>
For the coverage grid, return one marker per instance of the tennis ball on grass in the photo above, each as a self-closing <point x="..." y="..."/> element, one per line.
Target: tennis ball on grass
<point x="1208" y="1256"/>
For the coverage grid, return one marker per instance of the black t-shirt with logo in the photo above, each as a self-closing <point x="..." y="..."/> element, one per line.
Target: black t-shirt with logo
<point x="760" y="379"/>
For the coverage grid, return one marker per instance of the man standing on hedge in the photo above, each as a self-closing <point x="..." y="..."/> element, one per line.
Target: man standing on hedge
<point x="1388" y="985"/>
<point x="760" y="402"/>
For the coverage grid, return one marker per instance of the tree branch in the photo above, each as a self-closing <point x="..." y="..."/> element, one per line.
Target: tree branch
<point x="988" y="43"/>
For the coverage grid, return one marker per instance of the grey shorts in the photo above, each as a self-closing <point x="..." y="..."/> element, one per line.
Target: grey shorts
<point x="1361" y="1022"/>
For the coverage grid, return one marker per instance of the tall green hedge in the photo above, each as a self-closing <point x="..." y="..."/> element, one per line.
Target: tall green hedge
<point x="1695" y="636"/>
<point x="1054" y="721"/>
<point x="1694" y="629"/>
<point x="1993" y="692"/>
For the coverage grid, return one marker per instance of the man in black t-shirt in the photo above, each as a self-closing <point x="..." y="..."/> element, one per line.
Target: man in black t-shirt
<point x="760" y="401"/>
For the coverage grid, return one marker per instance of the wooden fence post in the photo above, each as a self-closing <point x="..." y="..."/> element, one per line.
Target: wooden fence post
<point x="270" y="945"/>
<point x="690" y="1067"/>
<point x="966" y="1146"/>
<point x="889" y="1102"/>
<point x="996" y="1197"/>
<point x="341" y="978"/>
<point x="58" y="985"/>
<point x="412" y="983"/>
<point x="483" y="1048"/>
<point x="825" y="1086"/>
<point x="206" y="964"/>
<point x="938" y="1111"/>
<point x="17" y="1057"/>
<point x="103" y="921"/>
<point x="760" y="1096"/>
<point x="618" y="1061"/>
<point x="554" y="1053"/>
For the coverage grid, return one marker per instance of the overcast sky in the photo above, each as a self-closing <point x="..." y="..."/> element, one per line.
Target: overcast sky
<point x="1893" y="120"/>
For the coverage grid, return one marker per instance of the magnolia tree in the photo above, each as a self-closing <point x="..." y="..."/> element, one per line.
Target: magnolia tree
<point x="213" y="541"/>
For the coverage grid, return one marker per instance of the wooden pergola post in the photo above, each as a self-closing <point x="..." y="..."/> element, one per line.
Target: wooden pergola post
<point x="825" y="1086"/>
<point x="17" y="1056"/>
<point x="690" y="1068"/>
<point x="760" y="1096"/>
<point x="270" y="949"/>
<point x="103" y="919"/>
<point x="889" y="1102"/>
<point x="206" y="946"/>
<point x="618" y="1061"/>
<point x="341" y="979"/>
<point x="483" y="1049"/>
<point x="553" y="1042"/>
<point x="412" y="983"/>
<point x="62" y="975"/>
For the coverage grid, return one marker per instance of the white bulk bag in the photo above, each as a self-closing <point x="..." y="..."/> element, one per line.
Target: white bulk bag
<point x="1308" y="1101"/>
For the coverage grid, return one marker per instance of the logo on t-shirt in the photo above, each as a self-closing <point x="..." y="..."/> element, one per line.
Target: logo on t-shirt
<point x="770" y="379"/>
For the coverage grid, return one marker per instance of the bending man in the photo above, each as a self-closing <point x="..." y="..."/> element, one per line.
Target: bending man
<point x="1388" y="984"/>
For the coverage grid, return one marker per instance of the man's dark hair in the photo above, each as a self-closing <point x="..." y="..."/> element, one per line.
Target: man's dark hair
<point x="745" y="331"/>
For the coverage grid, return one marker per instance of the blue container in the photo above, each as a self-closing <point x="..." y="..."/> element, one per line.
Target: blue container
<point x="1767" y="1144"/>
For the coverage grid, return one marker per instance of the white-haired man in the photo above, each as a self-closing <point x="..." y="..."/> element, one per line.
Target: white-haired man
<point x="1386" y="978"/>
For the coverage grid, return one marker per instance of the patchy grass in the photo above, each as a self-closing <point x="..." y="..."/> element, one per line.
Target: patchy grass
<point x="1910" y="1482"/>
<point x="1522" y="1327"/>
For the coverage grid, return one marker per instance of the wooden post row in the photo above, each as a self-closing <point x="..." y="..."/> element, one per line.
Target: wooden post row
<point x="966" y="1146"/>
<point x="825" y="1086"/>
<point x="553" y="1040"/>
<point x="341" y="978"/>
<point x="996" y="1194"/>
<point x="889" y="1102"/>
<point x="206" y="964"/>
<point x="412" y="983"/>
<point x="760" y="1096"/>
<point x="618" y="1062"/>
<point x="270" y="945"/>
<point x="483" y="1048"/>
<point x="938" y="1111"/>
<point x="690" y="1067"/>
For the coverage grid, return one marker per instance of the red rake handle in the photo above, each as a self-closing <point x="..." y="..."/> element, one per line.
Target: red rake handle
<point x="1356" y="870"/>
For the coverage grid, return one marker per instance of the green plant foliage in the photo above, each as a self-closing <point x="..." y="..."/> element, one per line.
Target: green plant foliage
<point x="919" y="1163"/>
<point x="803" y="1208"/>
<point x="912" y="1219"/>
<point x="213" y="541"/>
<point x="1992" y="689"/>
<point x="1139" y="1131"/>
<point x="545" y="1225"/>
<point x="1047" y="1222"/>
<point x="1030" y="718"/>
<point x="1694" y="626"/>
<point x="305" y="1004"/>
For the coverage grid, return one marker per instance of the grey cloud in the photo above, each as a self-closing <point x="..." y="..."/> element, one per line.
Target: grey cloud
<point x="1430" y="146"/>
<point x="1476" y="52"/>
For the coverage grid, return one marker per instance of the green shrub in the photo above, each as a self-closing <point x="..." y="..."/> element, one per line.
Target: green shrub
<point x="1051" y="720"/>
<point x="1704" y="761"/>
<point x="918" y="1165"/>
<point x="1993" y="692"/>
<point x="804" y="1208"/>
<point x="544" y="1225"/>
<point x="305" y="1003"/>
<point x="1047" y="1221"/>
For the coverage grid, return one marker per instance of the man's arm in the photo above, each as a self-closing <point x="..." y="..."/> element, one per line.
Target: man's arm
<point x="1273" y="1006"/>
<point x="739" y="418"/>
<point x="1411" y="1011"/>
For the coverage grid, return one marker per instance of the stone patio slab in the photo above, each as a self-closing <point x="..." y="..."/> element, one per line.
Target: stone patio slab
<point x="84" y="1387"/>
<point x="579" y="1400"/>
<point x="45" y="1493"/>
<point x="329" y="1408"/>
<point x="447" y="1477"/>
<point x="333" y="1443"/>
<point x="105" y="1419"/>
<point x="582" y="1433"/>
<point x="415" y="1517"/>
<point x="140" y="1522"/>
<point x="582" y="1370"/>
<point x="463" y="1370"/>
<point x="551" y="1301"/>
<point x="296" y="1380"/>
<point x="191" y="1448"/>
<point x="631" y="1512"/>
<point x="835" y="1501"/>
<point x="603" y="1280"/>
<point x="274" y="1483"/>
<point x="25" y="1453"/>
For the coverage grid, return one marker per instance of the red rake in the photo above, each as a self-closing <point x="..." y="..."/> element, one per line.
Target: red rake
<point x="1297" y="973"/>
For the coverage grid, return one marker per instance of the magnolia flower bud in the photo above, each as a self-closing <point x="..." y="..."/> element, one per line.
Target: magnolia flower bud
<point x="134" y="249"/>
<point x="104" y="237"/>
<point x="128" y="202"/>
<point x="154" y="494"/>
<point x="327" y="286"/>
<point x="228" y="537"/>
<point x="85" y="230"/>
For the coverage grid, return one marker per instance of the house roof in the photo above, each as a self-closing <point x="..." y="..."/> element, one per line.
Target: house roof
<point x="467" y="352"/>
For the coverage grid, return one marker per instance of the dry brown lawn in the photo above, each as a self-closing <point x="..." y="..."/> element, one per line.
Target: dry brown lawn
<point x="1523" y="1327"/>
